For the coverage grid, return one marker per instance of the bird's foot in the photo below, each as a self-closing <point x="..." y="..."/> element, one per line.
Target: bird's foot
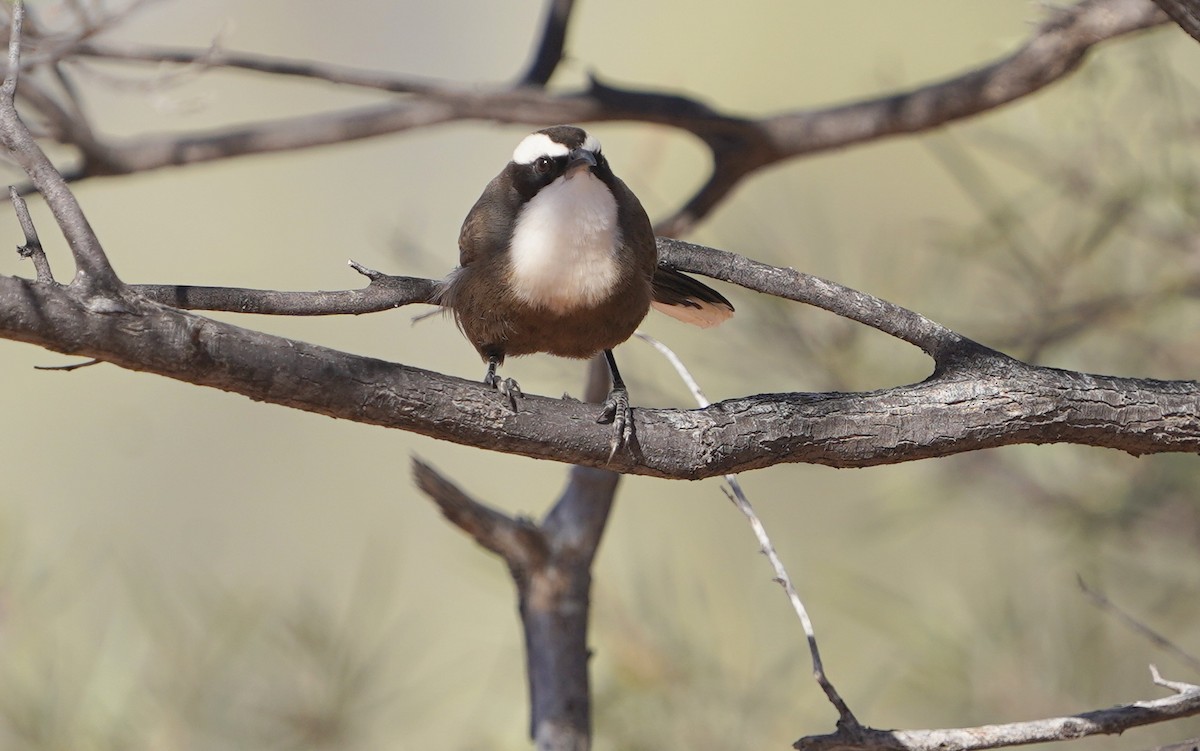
<point x="507" y="387"/>
<point x="616" y="410"/>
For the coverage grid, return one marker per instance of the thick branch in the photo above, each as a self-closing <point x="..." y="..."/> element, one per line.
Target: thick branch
<point x="980" y="403"/>
<point x="551" y="566"/>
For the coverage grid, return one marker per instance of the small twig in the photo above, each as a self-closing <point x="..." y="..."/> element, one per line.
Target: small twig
<point x="734" y="492"/>
<point x="1178" y="687"/>
<point x="369" y="273"/>
<point x="32" y="249"/>
<point x="93" y="271"/>
<point x="8" y="89"/>
<point x="846" y="718"/>
<point x="216" y="56"/>
<point x="1101" y="601"/>
<point x="68" y="368"/>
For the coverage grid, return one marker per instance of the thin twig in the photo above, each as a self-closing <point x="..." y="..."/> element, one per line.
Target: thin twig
<point x="1178" y="687"/>
<point x="216" y="56"/>
<point x="68" y="368"/>
<point x="32" y="249"/>
<point x="1101" y="601"/>
<point x="8" y="89"/>
<point x="734" y="492"/>
<point x="93" y="270"/>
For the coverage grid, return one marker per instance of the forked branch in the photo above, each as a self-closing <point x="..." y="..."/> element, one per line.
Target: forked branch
<point x="739" y="146"/>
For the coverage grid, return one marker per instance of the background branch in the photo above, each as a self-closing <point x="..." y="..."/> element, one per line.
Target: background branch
<point x="1186" y="13"/>
<point x="550" y="51"/>
<point x="93" y="270"/>
<point x="740" y="146"/>
<point x="551" y="565"/>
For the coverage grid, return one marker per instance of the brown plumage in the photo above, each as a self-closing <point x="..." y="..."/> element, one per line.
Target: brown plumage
<point x="558" y="256"/>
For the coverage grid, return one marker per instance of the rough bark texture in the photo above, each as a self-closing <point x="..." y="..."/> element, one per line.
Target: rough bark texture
<point x="985" y="401"/>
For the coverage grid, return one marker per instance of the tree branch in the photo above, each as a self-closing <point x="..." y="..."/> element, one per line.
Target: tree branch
<point x="93" y="270"/>
<point x="32" y="249"/>
<point x="383" y="292"/>
<point x="1186" y="13"/>
<point x="551" y="566"/>
<point x="550" y="51"/>
<point x="739" y="146"/>
<point x="1185" y="703"/>
<point x="980" y="402"/>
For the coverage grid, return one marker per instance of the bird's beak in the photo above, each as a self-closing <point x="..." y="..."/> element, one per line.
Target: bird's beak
<point x="580" y="159"/>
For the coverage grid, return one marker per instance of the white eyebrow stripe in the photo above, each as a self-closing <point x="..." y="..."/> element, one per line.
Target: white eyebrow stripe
<point x="537" y="145"/>
<point x="592" y="144"/>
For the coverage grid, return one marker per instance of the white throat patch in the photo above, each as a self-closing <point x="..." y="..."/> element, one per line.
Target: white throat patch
<point x="564" y="247"/>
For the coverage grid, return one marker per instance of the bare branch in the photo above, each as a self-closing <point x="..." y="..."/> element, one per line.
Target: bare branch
<point x="734" y="492"/>
<point x="68" y="368"/>
<point x="935" y="340"/>
<point x="93" y="270"/>
<point x="551" y="566"/>
<point x="1110" y="721"/>
<point x="385" y="292"/>
<point x="1186" y="13"/>
<point x="1101" y="601"/>
<point x="740" y="146"/>
<point x="382" y="293"/>
<point x="550" y="51"/>
<point x="216" y="56"/>
<point x="1176" y="686"/>
<point x="519" y="542"/>
<point x="977" y="398"/>
<point x="32" y="249"/>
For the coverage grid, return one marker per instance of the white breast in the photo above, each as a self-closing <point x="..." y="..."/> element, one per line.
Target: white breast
<point x="564" y="245"/>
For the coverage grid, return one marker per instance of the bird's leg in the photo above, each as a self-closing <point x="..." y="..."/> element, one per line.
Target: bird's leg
<point x="506" y="386"/>
<point x="616" y="409"/>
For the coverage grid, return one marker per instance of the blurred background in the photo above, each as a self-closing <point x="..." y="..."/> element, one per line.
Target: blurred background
<point x="182" y="568"/>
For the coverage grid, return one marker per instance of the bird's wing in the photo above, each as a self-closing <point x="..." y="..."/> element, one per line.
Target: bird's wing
<point x="483" y="234"/>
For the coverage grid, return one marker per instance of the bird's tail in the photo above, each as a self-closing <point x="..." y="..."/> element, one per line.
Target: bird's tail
<point x="682" y="297"/>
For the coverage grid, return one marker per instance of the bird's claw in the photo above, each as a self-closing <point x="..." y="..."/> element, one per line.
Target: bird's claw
<point x="616" y="410"/>
<point x="506" y="386"/>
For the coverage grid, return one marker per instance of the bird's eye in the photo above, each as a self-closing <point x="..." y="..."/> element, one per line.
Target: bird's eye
<point x="543" y="165"/>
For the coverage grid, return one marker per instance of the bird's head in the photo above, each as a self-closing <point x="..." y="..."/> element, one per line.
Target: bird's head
<point x="559" y="152"/>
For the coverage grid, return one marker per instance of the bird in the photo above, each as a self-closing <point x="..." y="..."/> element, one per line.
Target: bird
<point x="558" y="256"/>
